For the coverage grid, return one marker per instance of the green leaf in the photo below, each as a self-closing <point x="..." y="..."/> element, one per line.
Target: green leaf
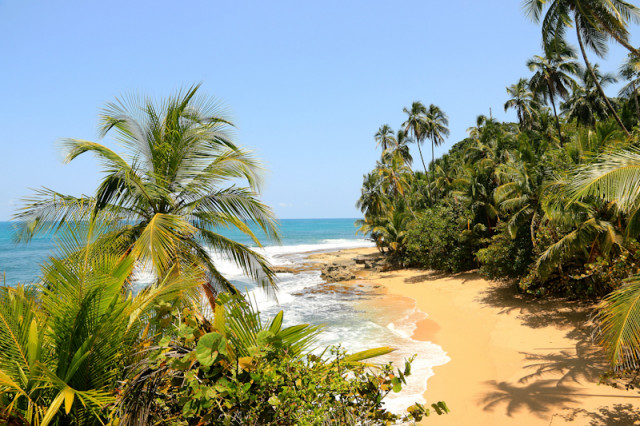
<point x="208" y="348"/>
<point x="274" y="401"/>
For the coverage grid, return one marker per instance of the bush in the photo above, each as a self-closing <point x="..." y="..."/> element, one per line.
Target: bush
<point x="439" y="239"/>
<point x="578" y="277"/>
<point x="506" y="257"/>
<point x="236" y="375"/>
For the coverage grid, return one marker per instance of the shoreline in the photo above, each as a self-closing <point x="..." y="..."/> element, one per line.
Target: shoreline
<point x="513" y="359"/>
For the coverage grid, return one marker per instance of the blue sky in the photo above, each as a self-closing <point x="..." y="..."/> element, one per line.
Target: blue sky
<point x="307" y="84"/>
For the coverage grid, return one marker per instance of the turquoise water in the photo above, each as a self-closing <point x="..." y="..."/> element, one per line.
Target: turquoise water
<point x="303" y="297"/>
<point x="19" y="263"/>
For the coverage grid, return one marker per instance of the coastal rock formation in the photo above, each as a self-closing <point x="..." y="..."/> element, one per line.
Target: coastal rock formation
<point x="347" y="269"/>
<point x="339" y="270"/>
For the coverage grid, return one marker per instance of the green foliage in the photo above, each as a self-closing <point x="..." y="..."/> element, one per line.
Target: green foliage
<point x="177" y="182"/>
<point x="439" y="239"/>
<point x="64" y="343"/>
<point x="506" y="256"/>
<point x="257" y="375"/>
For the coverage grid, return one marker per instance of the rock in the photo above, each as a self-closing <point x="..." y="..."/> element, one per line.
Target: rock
<point x="339" y="270"/>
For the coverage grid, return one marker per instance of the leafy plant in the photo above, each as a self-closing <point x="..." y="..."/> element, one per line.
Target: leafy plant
<point x="240" y="371"/>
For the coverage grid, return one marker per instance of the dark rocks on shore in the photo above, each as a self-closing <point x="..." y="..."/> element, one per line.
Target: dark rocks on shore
<point x="347" y="269"/>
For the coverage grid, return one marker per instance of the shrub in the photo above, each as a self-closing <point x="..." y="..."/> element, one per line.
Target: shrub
<point x="579" y="277"/>
<point x="240" y="372"/>
<point x="506" y="257"/>
<point x="440" y="239"/>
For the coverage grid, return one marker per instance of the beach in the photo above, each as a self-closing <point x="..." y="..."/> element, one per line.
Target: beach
<point x="513" y="359"/>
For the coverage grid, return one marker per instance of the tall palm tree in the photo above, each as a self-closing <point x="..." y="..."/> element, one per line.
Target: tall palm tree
<point x="169" y="195"/>
<point x="384" y="137"/>
<point x="372" y="201"/>
<point x="552" y="77"/>
<point x="401" y="149"/>
<point x="586" y="102"/>
<point x="595" y="22"/>
<point x="630" y="71"/>
<point x="436" y="130"/>
<point x="416" y="124"/>
<point x="524" y="102"/>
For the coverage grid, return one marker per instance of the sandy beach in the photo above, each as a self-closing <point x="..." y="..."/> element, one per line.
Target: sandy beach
<point x="514" y="359"/>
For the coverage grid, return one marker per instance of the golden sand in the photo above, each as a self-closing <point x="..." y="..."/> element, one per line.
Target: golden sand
<point x="514" y="360"/>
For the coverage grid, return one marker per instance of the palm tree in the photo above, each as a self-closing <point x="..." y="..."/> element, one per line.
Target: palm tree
<point x="401" y="148"/>
<point x="524" y="102"/>
<point x="395" y="176"/>
<point x="372" y="201"/>
<point x="64" y="344"/>
<point x="384" y="137"/>
<point x="595" y="22"/>
<point x="552" y="75"/>
<point x="586" y="102"/>
<point x="520" y="192"/>
<point x="416" y="124"/>
<point x="169" y="195"/>
<point x="436" y="129"/>
<point x="630" y="71"/>
<point x="615" y="177"/>
<point x="475" y="186"/>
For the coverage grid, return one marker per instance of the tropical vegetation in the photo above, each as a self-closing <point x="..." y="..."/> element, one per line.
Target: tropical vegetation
<point x="550" y="202"/>
<point x="92" y="344"/>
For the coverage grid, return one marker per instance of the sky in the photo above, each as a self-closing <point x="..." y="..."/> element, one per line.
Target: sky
<point x="306" y="83"/>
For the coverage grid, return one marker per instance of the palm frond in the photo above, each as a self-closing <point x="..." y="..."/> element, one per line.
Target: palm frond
<point x="619" y="319"/>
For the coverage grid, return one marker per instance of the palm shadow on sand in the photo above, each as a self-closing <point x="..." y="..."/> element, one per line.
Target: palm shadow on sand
<point x="539" y="397"/>
<point x="615" y="415"/>
<point x="554" y="372"/>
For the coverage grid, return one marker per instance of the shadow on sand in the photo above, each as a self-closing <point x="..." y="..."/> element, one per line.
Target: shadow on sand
<point x="615" y="415"/>
<point x="435" y="275"/>
<point x="540" y="397"/>
<point x="554" y="373"/>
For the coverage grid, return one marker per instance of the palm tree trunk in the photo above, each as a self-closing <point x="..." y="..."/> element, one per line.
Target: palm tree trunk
<point x="211" y="295"/>
<point x="555" y="113"/>
<point x="425" y="168"/>
<point x="595" y="79"/>
<point x="433" y="166"/>
<point x="421" y="159"/>
<point x="532" y="228"/>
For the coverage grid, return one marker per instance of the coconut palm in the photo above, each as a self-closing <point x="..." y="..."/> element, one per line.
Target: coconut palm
<point x="586" y="103"/>
<point x="395" y="176"/>
<point x="520" y="193"/>
<point x="384" y="137"/>
<point x="416" y="124"/>
<point x="595" y="22"/>
<point x="64" y="343"/>
<point x="436" y="122"/>
<point x="169" y="195"/>
<point x="630" y="71"/>
<point x="524" y="102"/>
<point x="552" y="75"/>
<point x="372" y="201"/>
<point x="475" y="186"/>
<point x="615" y="177"/>
<point x="401" y="148"/>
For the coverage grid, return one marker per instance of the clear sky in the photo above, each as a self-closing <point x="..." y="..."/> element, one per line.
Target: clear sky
<point x="308" y="84"/>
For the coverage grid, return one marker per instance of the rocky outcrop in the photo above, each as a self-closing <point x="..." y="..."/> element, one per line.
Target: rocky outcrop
<point x="348" y="269"/>
<point x="339" y="270"/>
<point x="376" y="263"/>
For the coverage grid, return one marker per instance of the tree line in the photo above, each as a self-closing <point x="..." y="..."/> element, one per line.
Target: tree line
<point x="552" y="201"/>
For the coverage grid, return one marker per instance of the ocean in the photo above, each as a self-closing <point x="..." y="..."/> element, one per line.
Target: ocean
<point x="356" y="320"/>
